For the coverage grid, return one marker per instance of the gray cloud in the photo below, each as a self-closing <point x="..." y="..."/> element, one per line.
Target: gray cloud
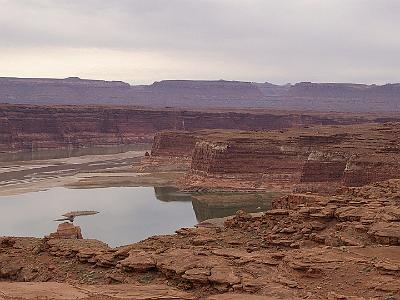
<point x="279" y="41"/>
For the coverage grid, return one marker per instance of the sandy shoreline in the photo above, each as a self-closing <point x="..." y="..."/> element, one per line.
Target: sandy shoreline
<point x="78" y="172"/>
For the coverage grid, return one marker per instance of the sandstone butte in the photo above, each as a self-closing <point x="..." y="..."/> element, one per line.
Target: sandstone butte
<point x="32" y="127"/>
<point x="334" y="235"/>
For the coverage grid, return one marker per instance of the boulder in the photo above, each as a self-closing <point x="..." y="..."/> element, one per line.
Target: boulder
<point x="137" y="260"/>
<point x="386" y="233"/>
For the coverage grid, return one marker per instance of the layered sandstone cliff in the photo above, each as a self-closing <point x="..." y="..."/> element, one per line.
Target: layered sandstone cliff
<point x="351" y="155"/>
<point x="174" y="143"/>
<point x="27" y="127"/>
<point x="181" y="143"/>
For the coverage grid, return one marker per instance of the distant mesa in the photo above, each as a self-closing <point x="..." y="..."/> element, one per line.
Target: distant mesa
<point x="340" y="97"/>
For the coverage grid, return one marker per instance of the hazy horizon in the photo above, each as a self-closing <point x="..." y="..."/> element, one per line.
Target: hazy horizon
<point x="189" y="79"/>
<point x="143" y="41"/>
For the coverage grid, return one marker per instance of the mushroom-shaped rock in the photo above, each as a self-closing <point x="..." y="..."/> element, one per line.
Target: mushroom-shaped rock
<point x="67" y="230"/>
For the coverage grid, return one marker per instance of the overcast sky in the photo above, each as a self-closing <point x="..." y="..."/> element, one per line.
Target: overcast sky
<point x="141" y="41"/>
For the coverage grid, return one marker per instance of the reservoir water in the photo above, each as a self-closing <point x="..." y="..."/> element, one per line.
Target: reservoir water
<point x="127" y="214"/>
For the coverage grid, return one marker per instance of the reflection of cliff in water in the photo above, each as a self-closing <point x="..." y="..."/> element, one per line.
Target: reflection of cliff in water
<point x="170" y="194"/>
<point x="209" y="206"/>
<point x="218" y="205"/>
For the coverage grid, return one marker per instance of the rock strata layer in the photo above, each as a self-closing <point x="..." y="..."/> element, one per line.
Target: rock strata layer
<point x="27" y="127"/>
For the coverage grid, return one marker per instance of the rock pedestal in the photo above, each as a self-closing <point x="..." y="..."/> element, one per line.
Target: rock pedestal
<point x="67" y="230"/>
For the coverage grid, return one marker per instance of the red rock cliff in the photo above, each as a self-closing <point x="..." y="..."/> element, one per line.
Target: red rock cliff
<point x="352" y="155"/>
<point x="32" y="127"/>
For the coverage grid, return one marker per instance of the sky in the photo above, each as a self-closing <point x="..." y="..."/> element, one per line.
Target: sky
<point x="142" y="41"/>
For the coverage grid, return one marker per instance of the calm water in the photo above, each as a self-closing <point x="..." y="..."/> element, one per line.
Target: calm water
<point x="127" y="214"/>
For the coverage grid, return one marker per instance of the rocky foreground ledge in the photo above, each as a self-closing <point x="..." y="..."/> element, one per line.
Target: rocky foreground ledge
<point x="345" y="246"/>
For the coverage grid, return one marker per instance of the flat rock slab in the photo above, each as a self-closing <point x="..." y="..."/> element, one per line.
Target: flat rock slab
<point x="63" y="291"/>
<point x="40" y="290"/>
<point x="137" y="292"/>
<point x="230" y="296"/>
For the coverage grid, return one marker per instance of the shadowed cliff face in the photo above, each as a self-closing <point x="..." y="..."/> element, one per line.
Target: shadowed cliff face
<point x="24" y="127"/>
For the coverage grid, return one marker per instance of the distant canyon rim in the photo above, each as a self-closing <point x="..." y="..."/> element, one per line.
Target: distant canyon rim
<point x="339" y="97"/>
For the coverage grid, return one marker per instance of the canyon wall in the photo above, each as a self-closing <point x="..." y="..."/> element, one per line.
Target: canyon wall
<point x="324" y="166"/>
<point x="351" y="155"/>
<point x="257" y="159"/>
<point x="27" y="127"/>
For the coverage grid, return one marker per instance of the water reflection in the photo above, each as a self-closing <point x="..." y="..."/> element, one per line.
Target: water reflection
<point x="218" y="205"/>
<point x="223" y="205"/>
<point x="170" y="193"/>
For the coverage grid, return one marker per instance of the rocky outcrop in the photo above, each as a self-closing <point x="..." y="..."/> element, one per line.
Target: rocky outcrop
<point x="67" y="230"/>
<point x="24" y="127"/>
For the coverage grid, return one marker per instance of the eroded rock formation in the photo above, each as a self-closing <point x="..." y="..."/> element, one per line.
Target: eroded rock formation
<point x="67" y="230"/>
